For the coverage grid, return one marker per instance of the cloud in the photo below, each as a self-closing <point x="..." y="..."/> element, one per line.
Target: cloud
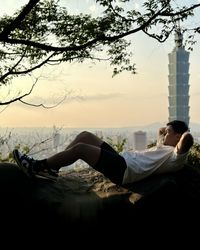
<point x="102" y="97"/>
<point x="62" y="100"/>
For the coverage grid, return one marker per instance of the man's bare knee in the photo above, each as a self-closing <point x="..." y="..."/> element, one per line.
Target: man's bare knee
<point x="88" y="153"/>
<point x="83" y="135"/>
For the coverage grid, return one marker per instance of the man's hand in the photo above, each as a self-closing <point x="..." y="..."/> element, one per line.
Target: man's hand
<point x="162" y="131"/>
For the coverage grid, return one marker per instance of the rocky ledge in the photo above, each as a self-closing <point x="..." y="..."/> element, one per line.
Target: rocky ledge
<point x="84" y="202"/>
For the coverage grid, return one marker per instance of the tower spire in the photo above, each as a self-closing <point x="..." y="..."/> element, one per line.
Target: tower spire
<point x="178" y="36"/>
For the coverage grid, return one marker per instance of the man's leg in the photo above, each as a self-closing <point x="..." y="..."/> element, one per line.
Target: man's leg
<point x="107" y="162"/>
<point x="50" y="166"/>
<point x="86" y="146"/>
<point x="91" y="139"/>
<point x="87" y="138"/>
<point x="88" y="153"/>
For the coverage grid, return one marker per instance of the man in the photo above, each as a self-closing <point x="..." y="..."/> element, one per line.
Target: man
<point x="169" y="155"/>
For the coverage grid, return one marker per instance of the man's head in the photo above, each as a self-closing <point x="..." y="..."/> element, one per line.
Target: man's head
<point x="178" y="126"/>
<point x="173" y="132"/>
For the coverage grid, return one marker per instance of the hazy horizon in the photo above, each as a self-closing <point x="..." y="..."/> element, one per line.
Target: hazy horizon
<point x="93" y="98"/>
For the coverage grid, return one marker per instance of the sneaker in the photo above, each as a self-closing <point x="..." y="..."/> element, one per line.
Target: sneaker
<point x="24" y="162"/>
<point x="27" y="163"/>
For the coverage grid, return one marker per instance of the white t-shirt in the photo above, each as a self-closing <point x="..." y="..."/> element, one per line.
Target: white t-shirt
<point x="155" y="160"/>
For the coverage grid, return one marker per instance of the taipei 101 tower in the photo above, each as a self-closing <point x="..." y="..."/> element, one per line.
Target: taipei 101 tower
<point x="178" y="81"/>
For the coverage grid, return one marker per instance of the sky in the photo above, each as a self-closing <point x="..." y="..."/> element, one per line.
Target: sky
<point x="94" y="98"/>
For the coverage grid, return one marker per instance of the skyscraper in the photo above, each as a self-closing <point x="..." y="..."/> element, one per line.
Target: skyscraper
<point x="140" y="140"/>
<point x="178" y="81"/>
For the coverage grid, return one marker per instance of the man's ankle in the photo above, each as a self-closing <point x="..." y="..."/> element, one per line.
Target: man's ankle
<point x="40" y="165"/>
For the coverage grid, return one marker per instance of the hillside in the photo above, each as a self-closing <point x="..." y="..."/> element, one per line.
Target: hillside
<point x="84" y="203"/>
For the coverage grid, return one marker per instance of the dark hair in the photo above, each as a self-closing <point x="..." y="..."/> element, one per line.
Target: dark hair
<point x="178" y="126"/>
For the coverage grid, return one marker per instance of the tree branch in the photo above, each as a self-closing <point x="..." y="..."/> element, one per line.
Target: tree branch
<point x="42" y="105"/>
<point x="16" y="22"/>
<point x="180" y="12"/>
<point x="28" y="70"/>
<point x="157" y="37"/>
<point x="10" y="72"/>
<point x="99" y="38"/>
<point x="19" y="97"/>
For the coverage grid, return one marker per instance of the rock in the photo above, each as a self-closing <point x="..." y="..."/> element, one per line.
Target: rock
<point x="84" y="202"/>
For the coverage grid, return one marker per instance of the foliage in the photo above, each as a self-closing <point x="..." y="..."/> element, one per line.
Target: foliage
<point x="194" y="156"/>
<point x="44" y="32"/>
<point x="9" y="156"/>
<point x="152" y="144"/>
<point x="117" y="143"/>
<point x="8" y="143"/>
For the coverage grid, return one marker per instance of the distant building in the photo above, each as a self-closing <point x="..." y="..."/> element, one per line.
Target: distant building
<point x="140" y="140"/>
<point x="178" y="81"/>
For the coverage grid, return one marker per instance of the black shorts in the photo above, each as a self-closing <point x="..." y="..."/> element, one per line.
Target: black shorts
<point x="111" y="164"/>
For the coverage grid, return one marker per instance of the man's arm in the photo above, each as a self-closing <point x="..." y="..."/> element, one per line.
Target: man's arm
<point x="160" y="135"/>
<point x="185" y="143"/>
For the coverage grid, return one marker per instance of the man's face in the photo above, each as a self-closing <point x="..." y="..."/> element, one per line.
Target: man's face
<point x="170" y="137"/>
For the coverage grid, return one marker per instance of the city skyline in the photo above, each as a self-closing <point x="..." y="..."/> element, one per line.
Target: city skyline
<point x="94" y="98"/>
